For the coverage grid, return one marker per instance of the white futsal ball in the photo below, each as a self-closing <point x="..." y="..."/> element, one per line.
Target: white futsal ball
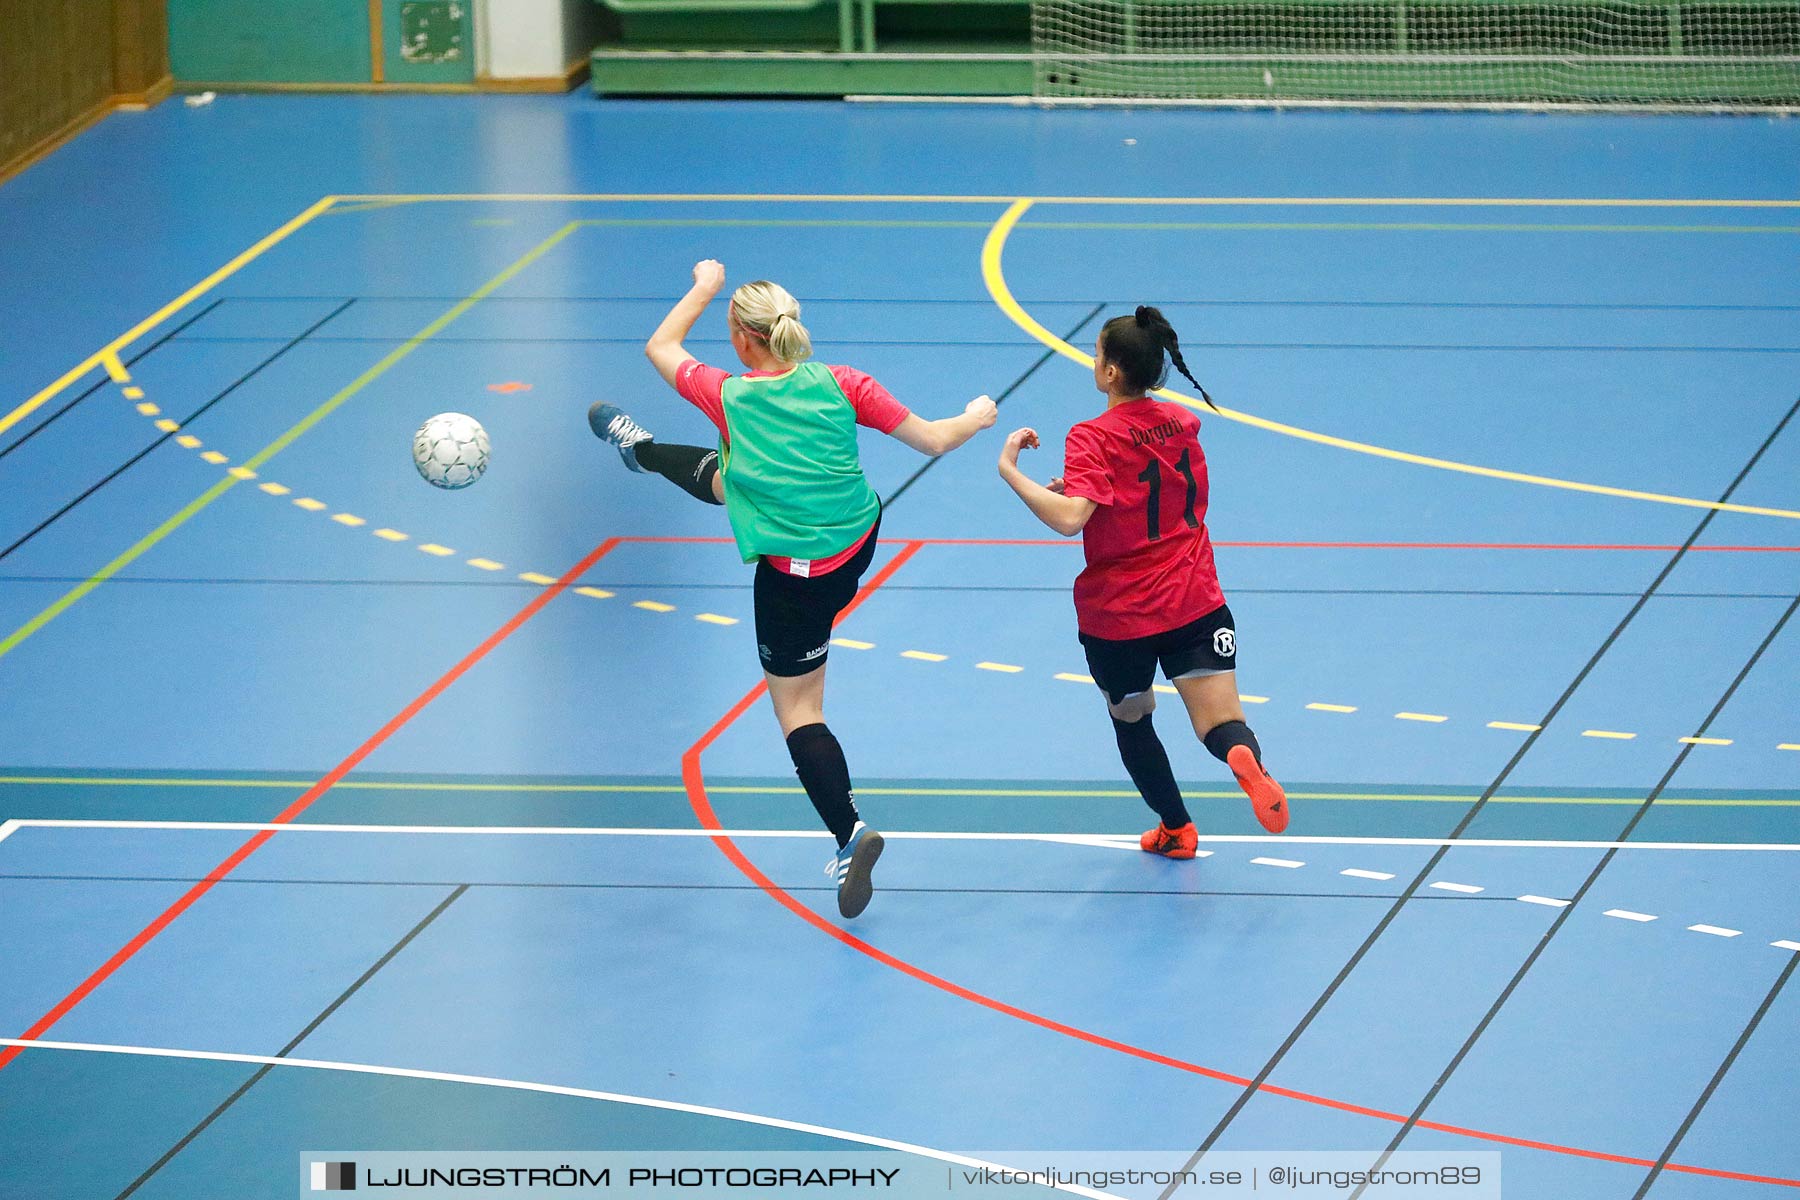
<point x="451" y="450"/>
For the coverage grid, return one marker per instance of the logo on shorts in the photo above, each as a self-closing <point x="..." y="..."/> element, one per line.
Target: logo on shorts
<point x="766" y="654"/>
<point x="812" y="654"/>
<point x="1224" y="643"/>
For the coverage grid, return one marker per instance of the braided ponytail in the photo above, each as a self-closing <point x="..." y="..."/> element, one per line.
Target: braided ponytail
<point x="1157" y="326"/>
<point x="1138" y="344"/>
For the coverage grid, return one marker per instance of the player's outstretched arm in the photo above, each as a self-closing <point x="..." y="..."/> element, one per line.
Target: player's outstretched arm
<point x="943" y="436"/>
<point x="1065" y="514"/>
<point x="664" y="348"/>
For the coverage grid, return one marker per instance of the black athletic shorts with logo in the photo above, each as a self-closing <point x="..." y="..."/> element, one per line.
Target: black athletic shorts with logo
<point x="1207" y="646"/>
<point x="794" y="612"/>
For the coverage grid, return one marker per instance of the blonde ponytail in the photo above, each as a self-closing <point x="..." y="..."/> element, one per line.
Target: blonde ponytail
<point x="772" y="316"/>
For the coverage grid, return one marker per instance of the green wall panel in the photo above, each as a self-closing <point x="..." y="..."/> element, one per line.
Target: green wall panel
<point x="270" y="41"/>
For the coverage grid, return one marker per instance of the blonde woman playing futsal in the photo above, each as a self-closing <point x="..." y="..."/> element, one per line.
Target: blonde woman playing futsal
<point x="787" y="471"/>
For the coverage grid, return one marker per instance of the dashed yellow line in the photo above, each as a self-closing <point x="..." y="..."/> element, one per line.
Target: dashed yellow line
<point x="109" y="356"/>
<point x="487" y="564"/>
<point x="133" y="393"/>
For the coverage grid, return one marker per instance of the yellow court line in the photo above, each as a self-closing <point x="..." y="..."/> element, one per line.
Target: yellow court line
<point x="227" y="482"/>
<point x="112" y="348"/>
<point x="994" y="247"/>
<point x="1181" y="201"/>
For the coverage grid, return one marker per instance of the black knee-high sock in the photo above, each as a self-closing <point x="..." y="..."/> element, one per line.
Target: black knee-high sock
<point x="690" y="468"/>
<point x="819" y="761"/>
<point x="1148" y="765"/>
<point x="1221" y="738"/>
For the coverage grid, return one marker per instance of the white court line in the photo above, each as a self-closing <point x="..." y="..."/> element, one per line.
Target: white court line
<point x="1289" y="863"/>
<point x="520" y="1085"/>
<point x="1106" y="839"/>
<point x="1358" y="873"/>
<point x="1625" y="914"/>
<point x="7" y="828"/>
<point x="1715" y="930"/>
<point x="1467" y="889"/>
<point x="1547" y="901"/>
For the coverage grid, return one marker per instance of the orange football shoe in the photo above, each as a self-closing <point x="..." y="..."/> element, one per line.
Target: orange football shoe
<point x="1171" y="843"/>
<point x="1265" y="794"/>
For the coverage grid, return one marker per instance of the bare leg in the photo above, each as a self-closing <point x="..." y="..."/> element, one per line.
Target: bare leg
<point x="1211" y="701"/>
<point x="799" y="700"/>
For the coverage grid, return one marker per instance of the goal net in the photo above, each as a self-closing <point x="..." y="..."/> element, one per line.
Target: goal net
<point x="1652" y="52"/>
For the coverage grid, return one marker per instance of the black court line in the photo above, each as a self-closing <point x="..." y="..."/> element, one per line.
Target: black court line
<point x="317" y="1021"/>
<point x="106" y="379"/>
<point x="1712" y="1085"/>
<point x="750" y="887"/>
<point x="188" y="420"/>
<point x="1015" y="385"/>
<point x="441" y="339"/>
<point x="1007" y="342"/>
<point x="1210" y="301"/>
<point x="1593" y="877"/>
<point x="1475" y="809"/>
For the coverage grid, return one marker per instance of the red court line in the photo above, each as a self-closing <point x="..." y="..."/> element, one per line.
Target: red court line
<point x="694" y="780"/>
<point x="719" y="541"/>
<point x="288" y="814"/>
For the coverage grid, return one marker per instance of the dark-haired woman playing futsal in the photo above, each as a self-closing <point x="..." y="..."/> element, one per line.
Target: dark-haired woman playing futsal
<point x="787" y="471"/>
<point x="1134" y="486"/>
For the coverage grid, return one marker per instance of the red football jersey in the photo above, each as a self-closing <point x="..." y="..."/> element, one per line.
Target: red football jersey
<point x="1149" y="557"/>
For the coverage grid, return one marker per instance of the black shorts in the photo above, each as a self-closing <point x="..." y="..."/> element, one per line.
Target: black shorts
<point x="794" y="612"/>
<point x="1207" y="646"/>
